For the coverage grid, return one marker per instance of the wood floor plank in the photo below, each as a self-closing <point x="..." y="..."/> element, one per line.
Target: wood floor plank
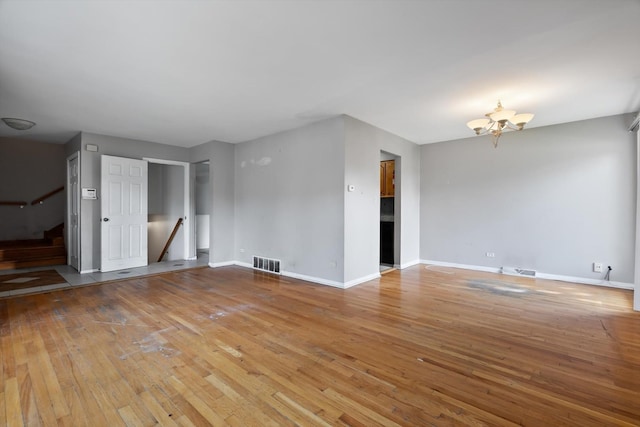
<point x="201" y="406"/>
<point x="3" y="414"/>
<point x="228" y="346"/>
<point x="28" y="402"/>
<point x="163" y="418"/>
<point x="41" y="363"/>
<point x="129" y="417"/>
<point x="12" y="404"/>
<point x="77" y="416"/>
<point x="246" y="411"/>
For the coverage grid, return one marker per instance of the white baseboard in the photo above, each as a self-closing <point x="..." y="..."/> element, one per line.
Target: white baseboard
<point x="463" y="266"/>
<point x="93" y="270"/>
<point x="304" y="277"/>
<point x="354" y="282"/>
<point x="222" y="264"/>
<point x="585" y="281"/>
<point x="407" y="264"/>
<point x="539" y="275"/>
<point x="313" y="279"/>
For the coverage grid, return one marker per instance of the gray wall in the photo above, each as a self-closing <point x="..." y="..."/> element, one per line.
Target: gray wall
<point x="555" y="199"/>
<point x="38" y="168"/>
<point x="292" y="201"/>
<point x="90" y="177"/>
<point x="363" y="144"/>
<point x="202" y="189"/>
<point x="289" y="199"/>
<point x="221" y="204"/>
<point x="362" y="206"/>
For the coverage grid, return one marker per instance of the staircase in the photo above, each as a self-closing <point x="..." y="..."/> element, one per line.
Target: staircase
<point x="16" y="254"/>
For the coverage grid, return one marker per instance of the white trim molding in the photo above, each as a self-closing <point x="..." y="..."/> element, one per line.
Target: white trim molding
<point x="636" y="278"/>
<point x="304" y="277"/>
<point x="585" y="281"/>
<point x="407" y="264"/>
<point x="360" y="280"/>
<point x="539" y="275"/>
<point x="224" y="264"/>
<point x="463" y="266"/>
<point x="313" y="279"/>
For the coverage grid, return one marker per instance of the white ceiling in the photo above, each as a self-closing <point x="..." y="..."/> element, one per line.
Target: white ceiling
<point x="188" y="72"/>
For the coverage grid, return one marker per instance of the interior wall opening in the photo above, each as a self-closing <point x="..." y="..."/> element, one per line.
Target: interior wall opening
<point x="166" y="207"/>
<point x="202" y="208"/>
<point x="389" y="211"/>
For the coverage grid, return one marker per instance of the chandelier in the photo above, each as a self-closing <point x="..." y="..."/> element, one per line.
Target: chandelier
<point x="498" y="121"/>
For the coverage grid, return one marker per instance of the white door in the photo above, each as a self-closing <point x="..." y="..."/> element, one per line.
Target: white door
<point x="73" y="203"/>
<point x="124" y="213"/>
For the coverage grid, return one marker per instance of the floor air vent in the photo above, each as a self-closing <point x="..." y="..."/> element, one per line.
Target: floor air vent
<point x="515" y="271"/>
<point x="266" y="264"/>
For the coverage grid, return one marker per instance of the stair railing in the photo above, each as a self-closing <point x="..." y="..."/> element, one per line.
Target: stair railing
<point x="173" y="234"/>
<point x="13" y="203"/>
<point x="40" y="200"/>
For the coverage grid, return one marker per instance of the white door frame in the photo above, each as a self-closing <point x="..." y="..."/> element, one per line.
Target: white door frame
<point x="636" y="279"/>
<point x="189" y="252"/>
<point x="70" y="235"/>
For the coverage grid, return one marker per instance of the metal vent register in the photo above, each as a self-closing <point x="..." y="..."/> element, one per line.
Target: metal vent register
<point x="515" y="271"/>
<point x="266" y="264"/>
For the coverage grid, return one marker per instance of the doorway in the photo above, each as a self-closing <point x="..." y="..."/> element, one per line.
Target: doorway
<point x="166" y="212"/>
<point x="178" y="205"/>
<point x="202" y="193"/>
<point x="180" y="196"/>
<point x="389" y="208"/>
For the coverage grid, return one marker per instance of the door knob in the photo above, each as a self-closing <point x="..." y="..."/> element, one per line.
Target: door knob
<point x="105" y="219"/>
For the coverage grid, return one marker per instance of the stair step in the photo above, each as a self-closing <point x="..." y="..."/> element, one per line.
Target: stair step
<point x="35" y="252"/>
<point x="12" y="265"/>
<point x="57" y="231"/>
<point x="4" y="244"/>
<point x="15" y="254"/>
<point x="56" y="241"/>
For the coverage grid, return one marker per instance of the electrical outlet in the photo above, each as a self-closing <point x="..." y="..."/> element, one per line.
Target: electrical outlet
<point x="491" y="254"/>
<point x="597" y="267"/>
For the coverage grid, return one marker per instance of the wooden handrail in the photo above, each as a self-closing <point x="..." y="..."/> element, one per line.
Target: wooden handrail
<point x="173" y="234"/>
<point x="12" y="203"/>
<point x="46" y="196"/>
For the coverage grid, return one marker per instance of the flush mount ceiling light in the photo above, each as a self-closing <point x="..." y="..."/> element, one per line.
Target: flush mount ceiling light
<point x="18" y="124"/>
<point x="498" y="121"/>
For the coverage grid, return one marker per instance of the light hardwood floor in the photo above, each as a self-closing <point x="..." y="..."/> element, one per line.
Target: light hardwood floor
<point x="422" y="346"/>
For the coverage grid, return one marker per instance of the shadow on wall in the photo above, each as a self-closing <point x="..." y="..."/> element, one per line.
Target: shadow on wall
<point x="28" y="171"/>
